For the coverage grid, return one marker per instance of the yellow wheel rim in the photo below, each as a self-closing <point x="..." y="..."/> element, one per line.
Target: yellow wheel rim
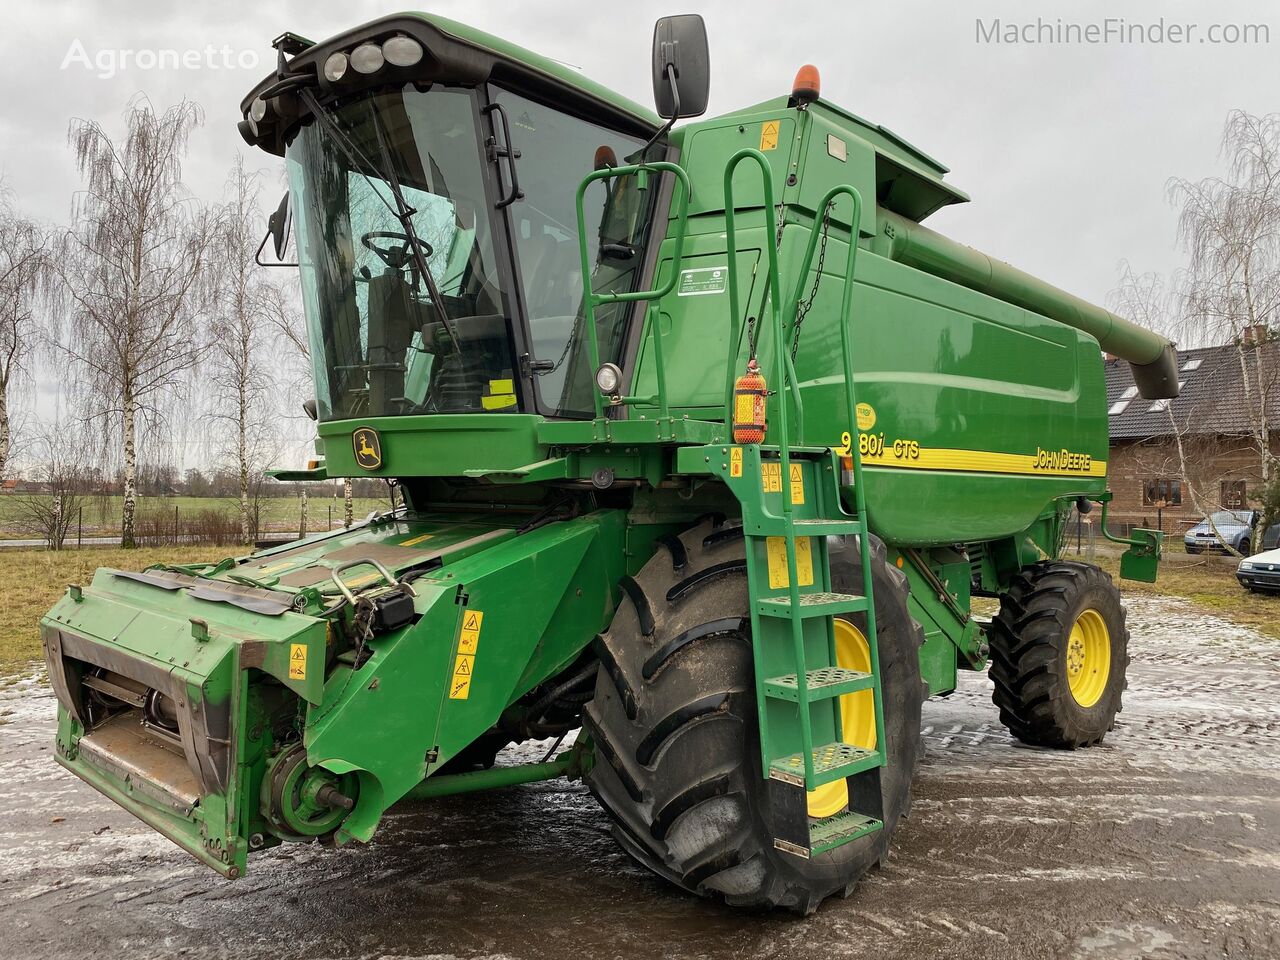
<point x="1088" y="658"/>
<point x="857" y="716"/>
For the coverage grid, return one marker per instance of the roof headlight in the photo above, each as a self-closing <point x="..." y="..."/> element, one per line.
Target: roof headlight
<point x="402" y="51"/>
<point x="335" y="68"/>
<point x="367" y="58"/>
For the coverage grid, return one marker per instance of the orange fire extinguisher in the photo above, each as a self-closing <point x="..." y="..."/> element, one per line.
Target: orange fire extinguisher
<point x="749" y="392"/>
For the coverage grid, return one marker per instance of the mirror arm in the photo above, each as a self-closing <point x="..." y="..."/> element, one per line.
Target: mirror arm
<point x="257" y="257"/>
<point x="675" y="111"/>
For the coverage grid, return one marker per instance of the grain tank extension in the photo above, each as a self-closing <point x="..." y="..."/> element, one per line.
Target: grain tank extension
<point x="702" y="447"/>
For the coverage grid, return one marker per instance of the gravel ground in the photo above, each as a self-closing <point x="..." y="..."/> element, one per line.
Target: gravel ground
<point x="1162" y="843"/>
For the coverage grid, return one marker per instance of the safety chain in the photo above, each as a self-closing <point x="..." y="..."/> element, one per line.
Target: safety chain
<point x="804" y="306"/>
<point x="362" y="629"/>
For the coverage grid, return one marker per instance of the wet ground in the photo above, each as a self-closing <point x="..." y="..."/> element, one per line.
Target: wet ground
<point x="1162" y="843"/>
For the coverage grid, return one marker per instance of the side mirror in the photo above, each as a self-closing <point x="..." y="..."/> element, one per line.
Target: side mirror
<point x="278" y="226"/>
<point x="681" y="66"/>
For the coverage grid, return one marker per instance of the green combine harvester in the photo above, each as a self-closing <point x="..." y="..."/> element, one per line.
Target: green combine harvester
<point x="699" y="442"/>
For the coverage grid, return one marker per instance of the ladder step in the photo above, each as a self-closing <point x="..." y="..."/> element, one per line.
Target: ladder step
<point x="811" y="527"/>
<point x="812" y="605"/>
<point x="821" y="684"/>
<point x="831" y="832"/>
<point x="831" y="761"/>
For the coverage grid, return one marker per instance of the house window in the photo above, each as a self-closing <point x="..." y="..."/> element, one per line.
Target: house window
<point x="1163" y="492"/>
<point x="1191" y="365"/>
<point x="1233" y="495"/>
<point x="1122" y="401"/>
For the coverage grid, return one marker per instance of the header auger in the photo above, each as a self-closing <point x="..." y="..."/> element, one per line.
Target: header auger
<point x="705" y="446"/>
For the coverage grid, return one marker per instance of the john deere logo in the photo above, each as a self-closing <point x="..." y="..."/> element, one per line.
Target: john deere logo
<point x="368" y="448"/>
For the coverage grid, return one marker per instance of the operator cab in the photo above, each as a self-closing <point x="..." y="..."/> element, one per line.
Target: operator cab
<point x="432" y="186"/>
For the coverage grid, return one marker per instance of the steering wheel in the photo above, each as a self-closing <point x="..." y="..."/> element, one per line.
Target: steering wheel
<point x="395" y="256"/>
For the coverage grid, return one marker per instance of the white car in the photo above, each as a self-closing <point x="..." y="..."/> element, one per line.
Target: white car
<point x="1261" y="572"/>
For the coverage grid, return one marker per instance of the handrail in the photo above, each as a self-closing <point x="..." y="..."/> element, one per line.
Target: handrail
<point x="851" y="401"/>
<point x="591" y="298"/>
<point x="731" y="244"/>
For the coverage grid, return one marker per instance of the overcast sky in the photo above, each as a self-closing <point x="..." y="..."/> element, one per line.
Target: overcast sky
<point x="1064" y="147"/>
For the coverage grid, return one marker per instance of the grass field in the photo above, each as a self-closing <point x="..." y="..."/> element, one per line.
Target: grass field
<point x="34" y="579"/>
<point x="102" y="514"/>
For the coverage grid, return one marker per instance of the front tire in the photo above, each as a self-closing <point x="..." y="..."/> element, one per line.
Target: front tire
<point x="674" y="725"/>
<point x="1059" y="651"/>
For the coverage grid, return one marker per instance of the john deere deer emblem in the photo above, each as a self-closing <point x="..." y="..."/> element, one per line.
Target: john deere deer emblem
<point x="368" y="448"/>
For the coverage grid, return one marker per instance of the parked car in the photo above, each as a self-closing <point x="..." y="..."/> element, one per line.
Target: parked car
<point x="1261" y="572"/>
<point x="1234" y="527"/>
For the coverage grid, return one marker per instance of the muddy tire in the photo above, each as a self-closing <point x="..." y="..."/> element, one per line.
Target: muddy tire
<point x="674" y="723"/>
<point x="1053" y="685"/>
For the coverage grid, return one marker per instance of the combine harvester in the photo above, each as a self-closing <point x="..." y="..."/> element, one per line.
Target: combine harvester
<point x="704" y="444"/>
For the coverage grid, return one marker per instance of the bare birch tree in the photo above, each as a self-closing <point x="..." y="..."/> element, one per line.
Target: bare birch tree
<point x="23" y="269"/>
<point x="1230" y="227"/>
<point x="238" y="331"/>
<point x="129" y="271"/>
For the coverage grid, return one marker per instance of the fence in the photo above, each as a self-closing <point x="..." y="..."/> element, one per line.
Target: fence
<point x="164" y="525"/>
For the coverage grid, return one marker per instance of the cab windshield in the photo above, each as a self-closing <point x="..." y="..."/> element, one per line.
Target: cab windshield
<point x="380" y="344"/>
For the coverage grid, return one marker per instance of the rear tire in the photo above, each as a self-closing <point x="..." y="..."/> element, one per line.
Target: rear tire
<point x="1050" y="693"/>
<point x="674" y="725"/>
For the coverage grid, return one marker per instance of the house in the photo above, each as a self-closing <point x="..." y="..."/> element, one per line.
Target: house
<point x="1172" y="461"/>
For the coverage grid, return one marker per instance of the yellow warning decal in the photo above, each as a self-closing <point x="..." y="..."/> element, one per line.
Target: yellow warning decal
<point x="498" y="402"/>
<point x="771" y="476"/>
<point x="776" y="550"/>
<point x="797" y="483"/>
<point x="459" y="687"/>
<point x="421" y="538"/>
<point x="769" y="134"/>
<point x="735" y="461"/>
<point x="501" y="386"/>
<point x="297" y="661"/>
<point x="469" y="638"/>
<point x="464" y="662"/>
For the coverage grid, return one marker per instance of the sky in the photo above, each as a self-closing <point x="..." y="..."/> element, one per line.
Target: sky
<point x="1065" y="147"/>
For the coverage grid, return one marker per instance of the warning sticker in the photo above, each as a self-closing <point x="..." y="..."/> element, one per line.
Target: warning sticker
<point x="735" y="461"/>
<point x="469" y="639"/>
<point x="297" y="661"/>
<point x="460" y="687"/>
<point x="769" y="134"/>
<point x="465" y="661"/>
<point x="771" y="476"/>
<point x="776" y="549"/>
<point x="797" y="484"/>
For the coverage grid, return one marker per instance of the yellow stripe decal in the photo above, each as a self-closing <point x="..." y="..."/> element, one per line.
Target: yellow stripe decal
<point x="1043" y="463"/>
